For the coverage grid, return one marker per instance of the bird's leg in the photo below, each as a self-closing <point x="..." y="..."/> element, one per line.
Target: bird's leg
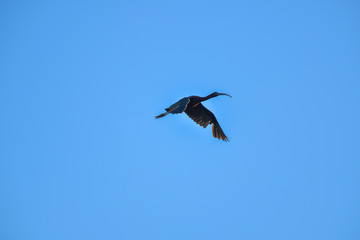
<point x="162" y="115"/>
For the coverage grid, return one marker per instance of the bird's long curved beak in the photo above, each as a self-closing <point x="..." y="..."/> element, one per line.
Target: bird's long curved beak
<point x="225" y="94"/>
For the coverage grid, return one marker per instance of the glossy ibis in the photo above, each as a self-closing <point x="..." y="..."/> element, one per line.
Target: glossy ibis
<point x="196" y="111"/>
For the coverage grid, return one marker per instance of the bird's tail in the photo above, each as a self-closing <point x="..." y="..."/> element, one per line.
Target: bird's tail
<point x="162" y="115"/>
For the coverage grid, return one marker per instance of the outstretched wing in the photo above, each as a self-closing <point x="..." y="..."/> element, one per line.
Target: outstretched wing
<point x="177" y="107"/>
<point x="204" y="117"/>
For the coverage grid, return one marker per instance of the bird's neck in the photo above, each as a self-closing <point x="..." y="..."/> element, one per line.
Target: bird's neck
<point x="208" y="97"/>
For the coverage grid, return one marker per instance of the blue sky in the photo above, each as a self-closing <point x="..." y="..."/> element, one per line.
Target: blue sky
<point x="82" y="156"/>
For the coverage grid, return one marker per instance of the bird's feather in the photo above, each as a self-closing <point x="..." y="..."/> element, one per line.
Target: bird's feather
<point x="204" y="117"/>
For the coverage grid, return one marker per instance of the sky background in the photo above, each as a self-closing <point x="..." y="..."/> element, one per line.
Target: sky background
<point x="82" y="156"/>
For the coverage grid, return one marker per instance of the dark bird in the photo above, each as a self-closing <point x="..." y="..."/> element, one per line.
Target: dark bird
<point x="196" y="111"/>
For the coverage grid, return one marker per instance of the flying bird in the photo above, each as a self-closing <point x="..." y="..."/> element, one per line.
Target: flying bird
<point x="196" y="111"/>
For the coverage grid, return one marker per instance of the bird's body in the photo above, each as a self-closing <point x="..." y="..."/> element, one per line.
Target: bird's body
<point x="196" y="111"/>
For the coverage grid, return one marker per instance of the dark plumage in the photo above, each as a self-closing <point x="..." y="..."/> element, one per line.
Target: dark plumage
<point x="196" y="111"/>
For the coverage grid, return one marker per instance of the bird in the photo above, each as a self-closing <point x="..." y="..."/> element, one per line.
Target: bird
<point x="198" y="113"/>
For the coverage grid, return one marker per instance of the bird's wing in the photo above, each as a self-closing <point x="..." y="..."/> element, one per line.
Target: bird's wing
<point x="204" y="117"/>
<point x="179" y="106"/>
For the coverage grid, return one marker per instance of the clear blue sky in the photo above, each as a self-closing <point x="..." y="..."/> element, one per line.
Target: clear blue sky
<point x="82" y="156"/>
